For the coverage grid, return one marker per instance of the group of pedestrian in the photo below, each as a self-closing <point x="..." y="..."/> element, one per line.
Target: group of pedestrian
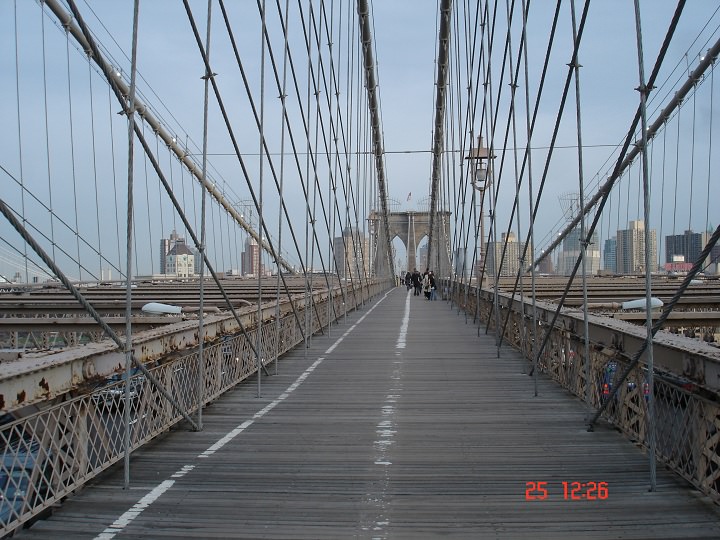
<point x="424" y="283"/>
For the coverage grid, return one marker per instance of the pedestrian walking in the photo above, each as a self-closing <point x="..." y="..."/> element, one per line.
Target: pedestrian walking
<point x="417" y="282"/>
<point x="426" y="285"/>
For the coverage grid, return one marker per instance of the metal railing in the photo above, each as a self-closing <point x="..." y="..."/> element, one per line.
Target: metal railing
<point x="49" y="454"/>
<point x="687" y="405"/>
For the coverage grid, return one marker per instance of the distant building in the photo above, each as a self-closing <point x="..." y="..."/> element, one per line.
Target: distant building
<point x="351" y="254"/>
<point x="166" y="245"/>
<point x="713" y="262"/>
<point x="251" y="258"/>
<point x="610" y="255"/>
<point x="198" y="260"/>
<point x="180" y="261"/>
<point x="511" y="263"/>
<point x="571" y="251"/>
<point x="689" y="245"/>
<point x="461" y="264"/>
<point x="423" y="257"/>
<point x="177" y="266"/>
<point x="630" y="249"/>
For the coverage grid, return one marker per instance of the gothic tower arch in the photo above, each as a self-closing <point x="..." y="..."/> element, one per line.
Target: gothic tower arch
<point x="411" y="227"/>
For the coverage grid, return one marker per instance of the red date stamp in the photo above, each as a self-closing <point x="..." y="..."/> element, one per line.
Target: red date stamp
<point x="570" y="491"/>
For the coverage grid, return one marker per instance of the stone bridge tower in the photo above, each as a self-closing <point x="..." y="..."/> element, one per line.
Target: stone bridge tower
<point x="411" y="227"/>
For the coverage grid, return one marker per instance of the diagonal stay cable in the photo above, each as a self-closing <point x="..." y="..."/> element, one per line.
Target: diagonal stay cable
<point x="182" y="153"/>
<point x="697" y="267"/>
<point x="236" y="147"/>
<point x="624" y="159"/>
<point x="63" y="222"/>
<point x="527" y="153"/>
<point x="10" y="216"/>
<point x="156" y="166"/>
<point x="248" y="92"/>
<point x="336" y="129"/>
<point x="346" y="183"/>
<point x="627" y="157"/>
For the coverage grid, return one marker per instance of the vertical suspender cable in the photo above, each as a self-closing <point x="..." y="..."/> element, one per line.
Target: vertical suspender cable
<point x="514" y="74"/>
<point x="160" y="205"/>
<point x="581" y="185"/>
<point x="19" y="134"/>
<point x="531" y="232"/>
<point x="72" y="152"/>
<point x="309" y="213"/>
<point x="94" y="165"/>
<point x="490" y="128"/>
<point x="147" y="206"/>
<point x="316" y="176"/>
<point x="283" y="101"/>
<point x="332" y="190"/>
<point x="710" y="153"/>
<point x="129" y="238"/>
<point x="114" y="177"/>
<point x="692" y="169"/>
<point x="202" y="247"/>
<point x="258" y="347"/>
<point x="644" y="91"/>
<point x="47" y="148"/>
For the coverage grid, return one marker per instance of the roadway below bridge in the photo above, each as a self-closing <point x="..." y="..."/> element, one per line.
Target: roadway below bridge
<point x="401" y="422"/>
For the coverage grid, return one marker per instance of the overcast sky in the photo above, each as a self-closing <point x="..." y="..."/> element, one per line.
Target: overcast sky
<point x="62" y="173"/>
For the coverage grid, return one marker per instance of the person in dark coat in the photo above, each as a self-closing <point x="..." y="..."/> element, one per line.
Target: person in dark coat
<point x="408" y="280"/>
<point x="417" y="282"/>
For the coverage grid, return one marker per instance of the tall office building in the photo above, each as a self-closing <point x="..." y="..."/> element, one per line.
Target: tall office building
<point x="198" y="260"/>
<point x="166" y="244"/>
<point x="351" y="251"/>
<point x="571" y="251"/>
<point x="630" y="249"/>
<point x="511" y="263"/>
<point x="610" y="255"/>
<point x="688" y="245"/>
<point x="251" y="257"/>
<point x="164" y="249"/>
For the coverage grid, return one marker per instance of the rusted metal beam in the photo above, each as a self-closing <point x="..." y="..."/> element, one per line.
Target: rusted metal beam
<point x="685" y="357"/>
<point x="41" y="377"/>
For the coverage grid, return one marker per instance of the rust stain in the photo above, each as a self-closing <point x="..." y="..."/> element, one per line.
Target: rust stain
<point x="21" y="396"/>
<point x="44" y="385"/>
<point x="2" y="401"/>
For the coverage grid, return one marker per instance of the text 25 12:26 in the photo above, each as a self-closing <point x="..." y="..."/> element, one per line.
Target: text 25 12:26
<point x="571" y="491"/>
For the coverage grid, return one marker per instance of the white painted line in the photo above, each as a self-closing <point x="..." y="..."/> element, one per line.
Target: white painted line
<point x="124" y="520"/>
<point x="404" y="326"/>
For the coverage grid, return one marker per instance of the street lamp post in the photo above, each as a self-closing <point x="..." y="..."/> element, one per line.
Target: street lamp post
<point x="480" y="181"/>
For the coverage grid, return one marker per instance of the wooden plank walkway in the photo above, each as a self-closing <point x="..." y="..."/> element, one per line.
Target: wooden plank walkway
<point x="384" y="437"/>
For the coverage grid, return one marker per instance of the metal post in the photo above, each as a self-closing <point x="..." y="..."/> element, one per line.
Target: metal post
<point x="644" y="91"/>
<point x="583" y="243"/>
<point x="259" y="346"/>
<point x="201" y="315"/>
<point x="128" y="270"/>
